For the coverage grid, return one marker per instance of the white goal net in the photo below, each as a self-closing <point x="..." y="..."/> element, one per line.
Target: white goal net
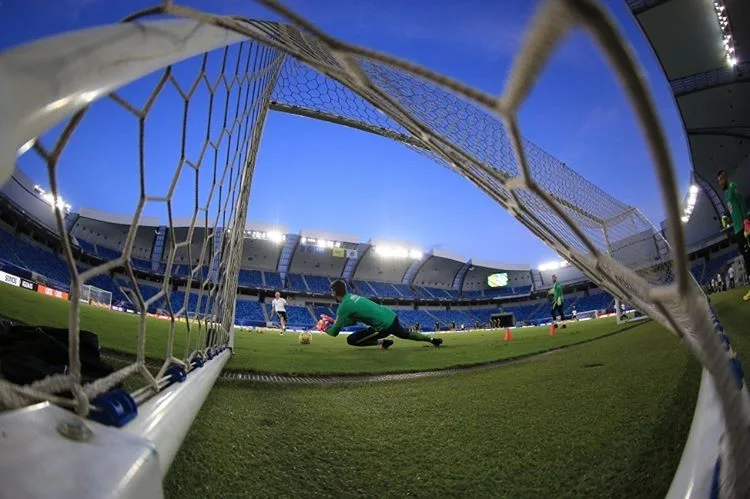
<point x="228" y="72"/>
<point x="95" y="296"/>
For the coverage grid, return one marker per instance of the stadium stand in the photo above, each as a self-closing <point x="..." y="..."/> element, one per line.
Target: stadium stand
<point x="296" y="316"/>
<point x="595" y="301"/>
<point x="384" y="289"/>
<point x="323" y="309"/>
<point x="717" y="263"/>
<point x="87" y="247"/>
<point x="295" y="282"/>
<point x="107" y="253"/>
<point x="250" y="313"/>
<point x="318" y="284"/>
<point x="250" y="278"/>
<point x="404" y="290"/>
<point x="33" y="258"/>
<point x="363" y="288"/>
<point x="25" y="256"/>
<point x="273" y="280"/>
<point x="457" y="316"/>
<point x="141" y="265"/>
<point x="698" y="269"/>
<point x="498" y="292"/>
<point x="409" y="318"/>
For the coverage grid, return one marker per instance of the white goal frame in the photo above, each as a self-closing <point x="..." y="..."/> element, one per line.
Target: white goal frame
<point x="95" y="296"/>
<point x="46" y="81"/>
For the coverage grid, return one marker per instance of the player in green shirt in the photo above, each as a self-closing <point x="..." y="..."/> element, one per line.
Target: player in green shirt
<point x="557" y="299"/>
<point x="738" y="213"/>
<point x="381" y="321"/>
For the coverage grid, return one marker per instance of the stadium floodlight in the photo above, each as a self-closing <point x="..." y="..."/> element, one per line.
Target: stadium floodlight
<point x="386" y="251"/>
<point x="726" y="33"/>
<point x="692" y="198"/>
<point x="275" y="236"/>
<point x="543" y="267"/>
<point x="53" y="200"/>
<point x="612" y="243"/>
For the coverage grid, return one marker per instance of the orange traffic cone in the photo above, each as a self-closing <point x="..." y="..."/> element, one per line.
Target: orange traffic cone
<point x="552" y="329"/>
<point x="508" y="336"/>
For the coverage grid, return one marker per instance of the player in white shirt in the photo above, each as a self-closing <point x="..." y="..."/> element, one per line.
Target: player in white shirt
<point x="279" y="308"/>
<point x="731" y="277"/>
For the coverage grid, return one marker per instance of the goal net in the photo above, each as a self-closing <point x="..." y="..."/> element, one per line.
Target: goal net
<point x="228" y="72"/>
<point x="95" y="296"/>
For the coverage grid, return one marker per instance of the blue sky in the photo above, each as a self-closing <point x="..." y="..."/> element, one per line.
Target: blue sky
<point x="577" y="113"/>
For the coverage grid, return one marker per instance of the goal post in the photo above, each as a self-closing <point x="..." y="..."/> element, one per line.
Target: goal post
<point x="48" y="81"/>
<point x="66" y="77"/>
<point x="95" y="296"/>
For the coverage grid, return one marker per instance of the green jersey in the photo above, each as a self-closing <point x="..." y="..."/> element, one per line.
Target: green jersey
<point x="736" y="204"/>
<point x="355" y="308"/>
<point x="557" y="291"/>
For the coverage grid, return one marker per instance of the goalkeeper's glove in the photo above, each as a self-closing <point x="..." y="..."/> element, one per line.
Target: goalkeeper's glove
<point x="558" y="302"/>
<point x="322" y="325"/>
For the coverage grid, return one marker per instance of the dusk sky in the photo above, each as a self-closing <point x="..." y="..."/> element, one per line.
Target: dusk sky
<point x="577" y="113"/>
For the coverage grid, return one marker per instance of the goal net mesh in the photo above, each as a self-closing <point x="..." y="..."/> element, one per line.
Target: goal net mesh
<point x="299" y="69"/>
<point x="224" y="99"/>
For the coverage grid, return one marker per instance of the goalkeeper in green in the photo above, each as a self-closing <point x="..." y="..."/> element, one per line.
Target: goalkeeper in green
<point x="558" y="306"/>
<point x="381" y="322"/>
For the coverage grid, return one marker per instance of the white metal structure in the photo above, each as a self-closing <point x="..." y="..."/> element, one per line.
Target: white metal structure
<point x="95" y="296"/>
<point x="612" y="243"/>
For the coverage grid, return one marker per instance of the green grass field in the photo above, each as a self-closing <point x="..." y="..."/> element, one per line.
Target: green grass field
<point x="607" y="418"/>
<point x="268" y="352"/>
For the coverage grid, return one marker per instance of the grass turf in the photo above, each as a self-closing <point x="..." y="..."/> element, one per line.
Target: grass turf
<point x="271" y="353"/>
<point x="604" y="419"/>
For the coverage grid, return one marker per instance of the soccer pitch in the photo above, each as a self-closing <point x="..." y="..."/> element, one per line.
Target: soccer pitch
<point x="269" y="352"/>
<point x="604" y="418"/>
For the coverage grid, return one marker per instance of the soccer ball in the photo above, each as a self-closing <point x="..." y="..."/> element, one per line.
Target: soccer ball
<point x="304" y="338"/>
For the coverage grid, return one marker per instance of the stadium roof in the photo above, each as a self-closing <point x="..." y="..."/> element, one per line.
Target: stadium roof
<point x="704" y="49"/>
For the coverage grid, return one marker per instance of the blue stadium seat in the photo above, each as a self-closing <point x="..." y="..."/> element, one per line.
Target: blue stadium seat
<point x="142" y="265"/>
<point x="295" y="282"/>
<point x="474" y="294"/>
<point x="107" y="253"/>
<point x="498" y="292"/>
<point x="716" y="264"/>
<point x="363" y="288"/>
<point x="273" y="280"/>
<point x="323" y="309"/>
<point x="597" y="301"/>
<point x="33" y="258"/>
<point x="297" y="317"/>
<point x="249" y="313"/>
<point x="408" y="318"/>
<point x="457" y="316"/>
<point x="522" y="290"/>
<point x="384" y="289"/>
<point x="697" y="270"/>
<point x="87" y="247"/>
<point x="250" y="278"/>
<point x="318" y="284"/>
<point x="405" y="290"/>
